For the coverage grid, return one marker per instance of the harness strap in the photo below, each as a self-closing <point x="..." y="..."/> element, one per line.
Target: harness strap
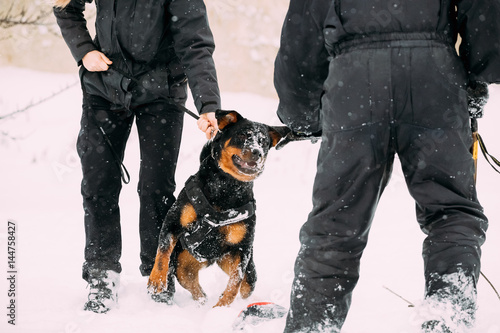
<point x="208" y="213"/>
<point x="200" y="239"/>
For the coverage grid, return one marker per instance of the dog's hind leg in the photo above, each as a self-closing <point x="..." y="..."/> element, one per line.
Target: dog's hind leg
<point x="249" y="280"/>
<point x="232" y="265"/>
<point x="157" y="282"/>
<point x="188" y="275"/>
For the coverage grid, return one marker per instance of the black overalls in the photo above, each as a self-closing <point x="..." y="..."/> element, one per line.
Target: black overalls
<point x="380" y="78"/>
<point x="409" y="100"/>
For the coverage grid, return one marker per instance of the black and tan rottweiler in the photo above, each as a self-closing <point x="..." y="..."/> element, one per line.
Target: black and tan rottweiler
<point x="213" y="219"/>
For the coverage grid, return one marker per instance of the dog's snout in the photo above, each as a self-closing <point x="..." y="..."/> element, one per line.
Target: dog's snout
<point x="256" y="153"/>
<point x="252" y="154"/>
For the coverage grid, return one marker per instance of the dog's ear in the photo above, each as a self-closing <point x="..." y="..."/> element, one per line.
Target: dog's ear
<point x="277" y="132"/>
<point x="225" y="118"/>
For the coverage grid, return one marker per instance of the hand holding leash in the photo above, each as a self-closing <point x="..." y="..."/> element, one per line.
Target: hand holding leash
<point x="207" y="123"/>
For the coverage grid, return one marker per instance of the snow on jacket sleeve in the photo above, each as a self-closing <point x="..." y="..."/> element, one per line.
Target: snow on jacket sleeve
<point x="301" y="65"/>
<point x="74" y="29"/>
<point x="194" y="44"/>
<point x="479" y="27"/>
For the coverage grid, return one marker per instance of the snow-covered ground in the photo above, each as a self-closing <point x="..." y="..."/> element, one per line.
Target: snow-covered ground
<point x="39" y="190"/>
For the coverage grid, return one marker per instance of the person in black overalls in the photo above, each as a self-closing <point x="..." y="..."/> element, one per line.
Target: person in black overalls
<point x="379" y="78"/>
<point x="137" y="67"/>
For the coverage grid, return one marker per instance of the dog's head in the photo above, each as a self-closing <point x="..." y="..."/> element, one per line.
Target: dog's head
<point x="241" y="146"/>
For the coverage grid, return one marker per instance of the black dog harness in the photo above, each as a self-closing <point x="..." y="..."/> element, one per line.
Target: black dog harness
<point x="209" y="219"/>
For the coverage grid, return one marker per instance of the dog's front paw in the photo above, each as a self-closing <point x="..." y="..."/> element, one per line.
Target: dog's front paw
<point x="224" y="301"/>
<point x="200" y="302"/>
<point x="155" y="286"/>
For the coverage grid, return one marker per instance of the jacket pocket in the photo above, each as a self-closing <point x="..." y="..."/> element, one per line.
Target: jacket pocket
<point x="110" y="85"/>
<point x="178" y="89"/>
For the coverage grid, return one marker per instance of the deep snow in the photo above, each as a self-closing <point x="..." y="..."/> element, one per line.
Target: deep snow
<point x="39" y="190"/>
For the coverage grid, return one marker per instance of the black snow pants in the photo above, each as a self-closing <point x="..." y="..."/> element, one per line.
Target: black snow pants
<point x="408" y="99"/>
<point x="159" y="126"/>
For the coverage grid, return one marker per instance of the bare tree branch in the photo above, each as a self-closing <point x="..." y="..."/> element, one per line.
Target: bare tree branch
<point x="25" y="16"/>
<point x="40" y="101"/>
<point x="8" y="136"/>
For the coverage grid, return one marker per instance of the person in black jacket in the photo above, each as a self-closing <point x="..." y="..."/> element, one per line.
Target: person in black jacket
<point x="375" y="79"/>
<point x="137" y="66"/>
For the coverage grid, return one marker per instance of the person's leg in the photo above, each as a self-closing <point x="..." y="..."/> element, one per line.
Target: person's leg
<point x="347" y="189"/>
<point x="160" y="130"/>
<point x="434" y="140"/>
<point x="101" y="187"/>
<point x="354" y="165"/>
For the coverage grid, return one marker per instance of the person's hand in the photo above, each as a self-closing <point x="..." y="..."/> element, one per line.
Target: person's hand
<point x="207" y="123"/>
<point x="96" y="61"/>
<point x="477" y="97"/>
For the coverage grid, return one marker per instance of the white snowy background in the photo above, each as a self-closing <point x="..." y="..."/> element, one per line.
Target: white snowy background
<point x="40" y="190"/>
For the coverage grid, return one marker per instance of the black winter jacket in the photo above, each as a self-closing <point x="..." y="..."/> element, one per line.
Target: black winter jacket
<point x="315" y="30"/>
<point x="159" y="43"/>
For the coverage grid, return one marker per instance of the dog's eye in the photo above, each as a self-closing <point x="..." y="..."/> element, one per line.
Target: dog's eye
<point x="262" y="141"/>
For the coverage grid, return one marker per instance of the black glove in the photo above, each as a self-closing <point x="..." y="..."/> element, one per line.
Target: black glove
<point x="477" y="97"/>
<point x="298" y="136"/>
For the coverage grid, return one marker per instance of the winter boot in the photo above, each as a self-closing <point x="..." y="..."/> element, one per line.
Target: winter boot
<point x="434" y="326"/>
<point x="103" y="294"/>
<point x="451" y="307"/>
